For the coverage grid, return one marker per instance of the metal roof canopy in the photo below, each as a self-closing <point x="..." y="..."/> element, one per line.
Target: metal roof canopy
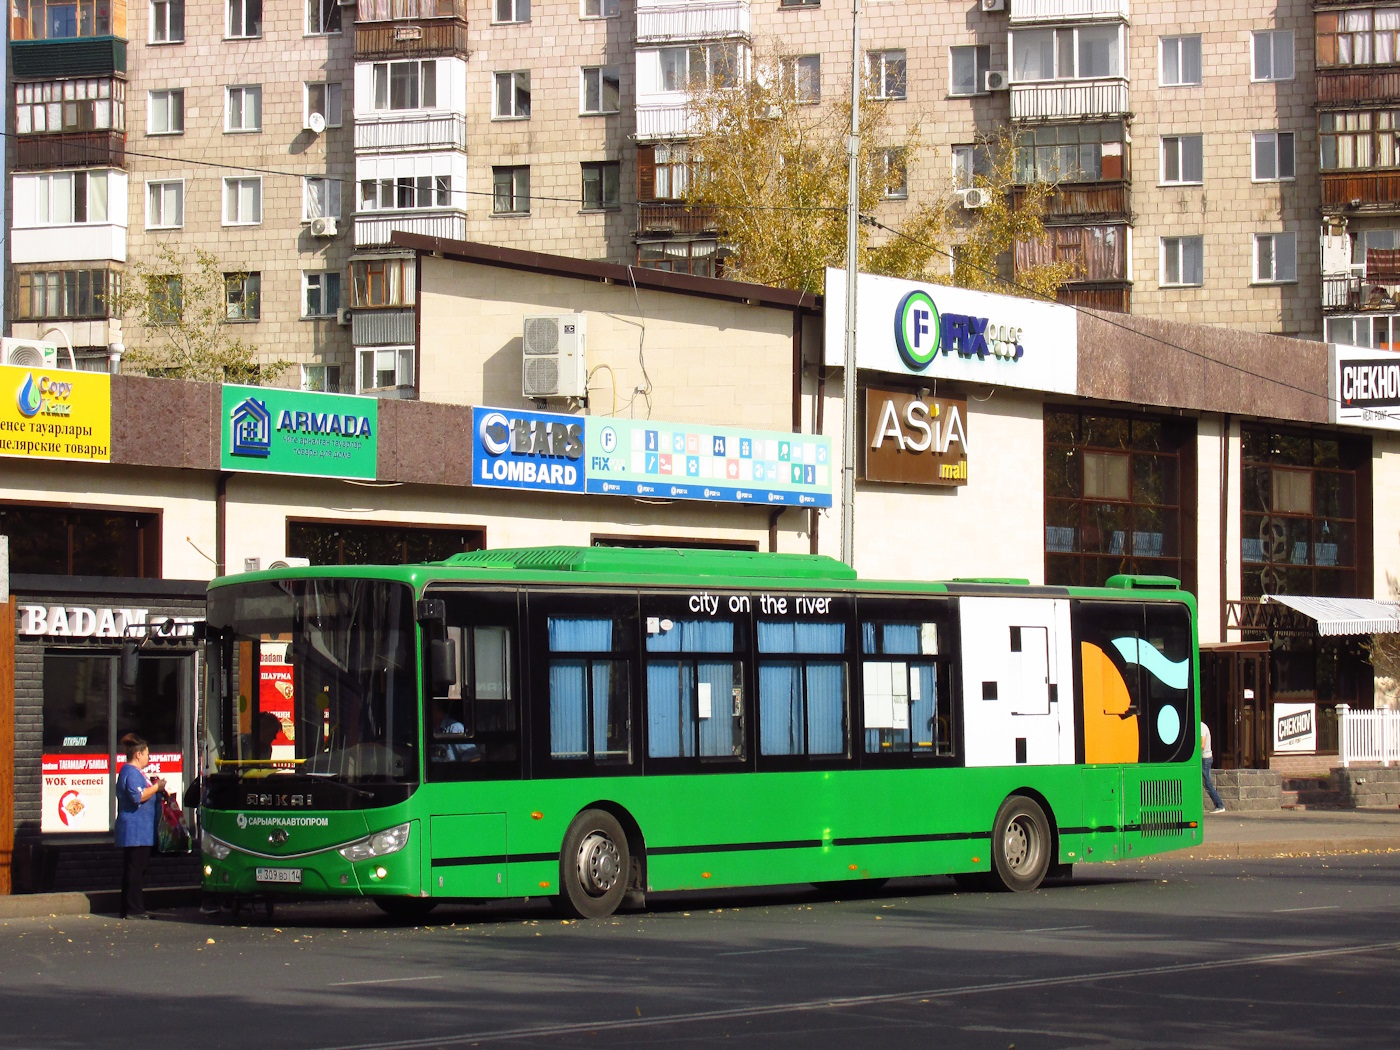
<point x="1344" y="616"/>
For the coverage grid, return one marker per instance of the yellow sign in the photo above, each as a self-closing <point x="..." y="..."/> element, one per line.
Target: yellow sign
<point x="55" y="413"/>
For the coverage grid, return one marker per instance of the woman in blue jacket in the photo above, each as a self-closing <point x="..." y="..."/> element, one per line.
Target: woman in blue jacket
<point x="137" y="811"/>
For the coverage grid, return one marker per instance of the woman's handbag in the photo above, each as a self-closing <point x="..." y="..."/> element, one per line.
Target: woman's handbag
<point x="172" y="836"/>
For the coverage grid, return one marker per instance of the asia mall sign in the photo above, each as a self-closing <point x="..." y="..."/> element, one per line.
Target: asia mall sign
<point x="915" y="440"/>
<point x="939" y="332"/>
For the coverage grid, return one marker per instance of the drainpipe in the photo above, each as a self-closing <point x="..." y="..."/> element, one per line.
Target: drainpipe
<point x="1224" y="523"/>
<point x="221" y="524"/>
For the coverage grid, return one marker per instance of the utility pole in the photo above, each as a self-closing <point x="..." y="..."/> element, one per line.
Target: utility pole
<point x="848" y="455"/>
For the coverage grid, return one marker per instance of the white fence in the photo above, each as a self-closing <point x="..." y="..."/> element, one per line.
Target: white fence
<point x="1067" y="10"/>
<point x="1069" y="100"/>
<point x="659" y="22"/>
<point x="1368" y="736"/>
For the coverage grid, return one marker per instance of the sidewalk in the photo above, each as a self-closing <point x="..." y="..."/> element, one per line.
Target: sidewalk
<point x="1274" y="833"/>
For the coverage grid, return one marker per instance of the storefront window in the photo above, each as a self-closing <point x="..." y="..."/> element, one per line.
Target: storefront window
<point x="334" y="543"/>
<point x="63" y="542"/>
<point x="1114" y="497"/>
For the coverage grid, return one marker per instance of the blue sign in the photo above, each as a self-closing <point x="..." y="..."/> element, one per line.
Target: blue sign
<point x="516" y="449"/>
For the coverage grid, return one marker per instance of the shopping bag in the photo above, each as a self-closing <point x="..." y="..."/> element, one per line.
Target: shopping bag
<point x="172" y="836"/>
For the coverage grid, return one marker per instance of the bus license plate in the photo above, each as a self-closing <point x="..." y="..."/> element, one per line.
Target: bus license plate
<point x="279" y="874"/>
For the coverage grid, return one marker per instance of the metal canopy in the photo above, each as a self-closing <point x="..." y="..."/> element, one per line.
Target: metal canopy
<point x="1344" y="616"/>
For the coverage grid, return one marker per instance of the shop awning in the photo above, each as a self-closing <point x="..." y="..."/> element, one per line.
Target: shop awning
<point x="1342" y="616"/>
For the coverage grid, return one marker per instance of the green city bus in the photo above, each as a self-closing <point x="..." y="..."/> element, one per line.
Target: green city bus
<point x="589" y="724"/>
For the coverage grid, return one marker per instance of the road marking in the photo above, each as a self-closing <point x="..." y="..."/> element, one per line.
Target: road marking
<point x="386" y="980"/>
<point x="846" y="1002"/>
<point x="1320" y="907"/>
<point x="1056" y="929"/>
<point x="762" y="951"/>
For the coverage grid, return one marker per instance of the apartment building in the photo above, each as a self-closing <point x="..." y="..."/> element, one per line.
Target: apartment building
<point x="1227" y="166"/>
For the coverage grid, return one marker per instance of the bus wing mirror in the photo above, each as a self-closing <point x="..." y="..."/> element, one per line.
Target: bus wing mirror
<point x="442" y="665"/>
<point x="129" y="664"/>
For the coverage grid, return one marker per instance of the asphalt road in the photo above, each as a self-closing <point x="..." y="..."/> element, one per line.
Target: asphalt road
<point x="1292" y="952"/>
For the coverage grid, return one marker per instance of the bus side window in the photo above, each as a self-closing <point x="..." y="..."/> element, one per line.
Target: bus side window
<point x="905" y="698"/>
<point x="589" y="695"/>
<point x="802" y="688"/>
<point x="1165" y="662"/>
<point x="694" y="689"/>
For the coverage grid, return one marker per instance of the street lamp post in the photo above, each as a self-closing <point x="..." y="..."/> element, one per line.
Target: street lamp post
<point x="848" y="454"/>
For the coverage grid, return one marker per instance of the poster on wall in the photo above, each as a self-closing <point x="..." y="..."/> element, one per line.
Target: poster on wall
<point x="271" y="430"/>
<point x="55" y="413"/>
<point x="1295" y="728"/>
<point x="276" y="695"/>
<point x="76" y="794"/>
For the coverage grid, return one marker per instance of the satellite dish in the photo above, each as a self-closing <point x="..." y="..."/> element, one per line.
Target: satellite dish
<point x="317" y="123"/>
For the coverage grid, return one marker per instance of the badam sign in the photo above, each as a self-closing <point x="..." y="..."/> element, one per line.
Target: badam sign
<point x="915" y="440"/>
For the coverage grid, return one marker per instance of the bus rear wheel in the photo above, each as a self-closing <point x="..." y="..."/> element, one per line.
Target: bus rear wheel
<point x="1021" y="845"/>
<point x="594" y="866"/>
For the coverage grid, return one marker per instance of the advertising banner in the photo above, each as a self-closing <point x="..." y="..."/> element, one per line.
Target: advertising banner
<point x="275" y="431"/>
<point x="935" y="331"/>
<point x="1295" y="728"/>
<point x="516" y="449"/>
<point x="76" y="795"/>
<point x="915" y="440"/>
<point x="55" y="413"/>
<point x="1364" y="387"/>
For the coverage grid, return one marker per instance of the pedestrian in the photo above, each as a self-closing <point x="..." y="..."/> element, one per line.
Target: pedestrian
<point x="1207" y="757"/>
<point x="138" y="808"/>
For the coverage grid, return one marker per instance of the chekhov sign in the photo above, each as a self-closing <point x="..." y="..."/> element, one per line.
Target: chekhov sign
<point x="934" y="331"/>
<point x="1364" y="387"/>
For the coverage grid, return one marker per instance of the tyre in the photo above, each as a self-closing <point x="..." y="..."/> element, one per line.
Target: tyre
<point x="594" y="866"/>
<point x="405" y="907"/>
<point x="1021" y="844"/>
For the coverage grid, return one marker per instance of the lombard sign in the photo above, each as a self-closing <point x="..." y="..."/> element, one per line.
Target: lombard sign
<point x="55" y="414"/>
<point x="915" y="440"/>
<point x="516" y="449"/>
<point x="276" y="431"/>
<point x="1364" y="387"/>
<point x="935" y="331"/>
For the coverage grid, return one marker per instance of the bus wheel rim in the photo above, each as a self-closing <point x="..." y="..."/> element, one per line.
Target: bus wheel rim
<point x="599" y="863"/>
<point x="1021" y="844"/>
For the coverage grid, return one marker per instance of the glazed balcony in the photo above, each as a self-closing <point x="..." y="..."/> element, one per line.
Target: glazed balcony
<point x="1349" y="86"/>
<point x="435" y="39"/>
<point x="672" y="21"/>
<point x="447" y="131"/>
<point x="408" y="10"/>
<point x="376" y="229"/>
<point x="59" y="59"/>
<point x="1084" y="200"/>
<point x="1098" y="253"/>
<point x="1361" y="192"/>
<point x="67" y="21"/>
<point x="1060" y="12"/>
<point x="1110" y="298"/>
<point x="1070" y="99"/>
<point x="82" y="149"/>
<point x="658" y="219"/>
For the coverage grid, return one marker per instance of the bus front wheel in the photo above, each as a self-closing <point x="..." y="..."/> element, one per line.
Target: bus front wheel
<point x="594" y="866"/>
<point x="1021" y="844"/>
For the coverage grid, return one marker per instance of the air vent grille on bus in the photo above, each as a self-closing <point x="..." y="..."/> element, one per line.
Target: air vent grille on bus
<point x="660" y="561"/>
<point x="1161" y="811"/>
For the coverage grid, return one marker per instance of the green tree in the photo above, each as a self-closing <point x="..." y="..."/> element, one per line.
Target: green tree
<point x="177" y="308"/>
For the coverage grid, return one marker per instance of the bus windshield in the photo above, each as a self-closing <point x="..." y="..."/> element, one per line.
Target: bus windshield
<point x="314" y="677"/>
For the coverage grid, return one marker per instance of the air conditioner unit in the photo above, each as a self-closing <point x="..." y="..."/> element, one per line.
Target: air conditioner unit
<point x="28" y="353"/>
<point x="256" y="564"/>
<point x="324" y="227"/>
<point x="993" y="5"/>
<point x="974" y="197"/>
<point x="996" y="80"/>
<point x="554" y="360"/>
<point x="342" y="316"/>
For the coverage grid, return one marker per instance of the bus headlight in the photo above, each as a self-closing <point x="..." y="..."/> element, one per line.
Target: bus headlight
<point x="213" y="847"/>
<point x="380" y="844"/>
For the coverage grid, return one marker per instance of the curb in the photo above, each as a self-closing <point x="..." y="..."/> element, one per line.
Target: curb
<point x="1287" y="848"/>
<point x="94" y="902"/>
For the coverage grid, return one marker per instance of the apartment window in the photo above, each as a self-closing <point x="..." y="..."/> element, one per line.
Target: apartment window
<point x="512" y="10"/>
<point x="800" y="77"/>
<point x="1273" y="55"/>
<point x="1359" y="140"/>
<point x="886" y="73"/>
<point x="320" y="293"/>
<point x="968" y="67"/>
<point x="243" y="109"/>
<point x="244" y="18"/>
<point x="383" y="282"/>
<point x="1273" y="156"/>
<point x="1181" y="60"/>
<point x="799" y="3"/>
<point x="167" y="21"/>
<point x="1183" y="262"/>
<point x="406" y="191"/>
<point x="242" y="296"/>
<point x="1357" y="38"/>
<point x="242" y="202"/>
<point x="324" y="100"/>
<point x="320" y="198"/>
<point x="512" y="96"/>
<point x="165" y="112"/>
<point x="322" y="16"/>
<point x="662" y="172"/>
<point x="322" y="378"/>
<point x="680" y="256"/>
<point x="510" y="190"/>
<point x="600" y="89"/>
<point x="61" y="19"/>
<point x="894" y="164"/>
<point x="64" y="294"/>
<point x="165" y="205"/>
<point x="601" y="8"/>
<point x="384" y="367"/>
<point x="1066" y="54"/>
<point x="1275" y="258"/>
<point x="69" y="197"/>
<point x="600" y="186"/>
<point x="970" y="163"/>
<point x="166" y="293"/>
<point x="699" y="66"/>
<point x="58" y="106"/>
<point x="405" y="85"/>
<point x="1071" y="153"/>
<point x="1181" y="159"/>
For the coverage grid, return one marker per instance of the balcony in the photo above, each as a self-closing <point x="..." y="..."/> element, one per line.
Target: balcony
<point x="670" y="21"/>
<point x="1030" y="12"/>
<point x="80" y="242"/>
<point x="97" y="56"/>
<point x="1353" y="85"/>
<point x="375" y="229"/>
<point x="410" y="134"/>
<point x="412" y="40"/>
<point x="1110" y="298"/>
<point x="403" y="10"/>
<point x="383" y="327"/>
<point x="660" y="219"/>
<point x="1098" y="253"/>
<point x="1070" y="99"/>
<point x="1360" y="192"/>
<point x="83" y="149"/>
<point x="1078" y="201"/>
<point x="663" y="121"/>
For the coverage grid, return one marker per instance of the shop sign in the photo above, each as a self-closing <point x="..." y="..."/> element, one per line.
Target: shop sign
<point x="915" y="440"/>
<point x="77" y="789"/>
<point x="78" y="621"/>
<point x="275" y="431"/>
<point x="1295" y="728"/>
<point x="939" y="332"/>
<point x="55" y="414"/>
<point x="516" y="449"/>
<point x="1364" y="387"/>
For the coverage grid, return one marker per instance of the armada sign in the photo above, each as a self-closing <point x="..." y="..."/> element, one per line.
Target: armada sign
<point x="277" y="431"/>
